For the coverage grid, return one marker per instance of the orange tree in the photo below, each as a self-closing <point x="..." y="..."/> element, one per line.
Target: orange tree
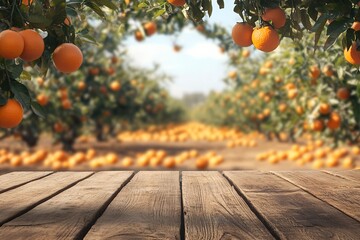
<point x="293" y="90"/>
<point x="107" y="91"/>
<point x="36" y="33"/>
<point x="266" y="22"/>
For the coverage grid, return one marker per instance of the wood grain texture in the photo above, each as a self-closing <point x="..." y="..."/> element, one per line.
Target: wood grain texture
<point x="20" y="199"/>
<point x="14" y="179"/>
<point x="67" y="214"/>
<point x="291" y="212"/>
<point x="148" y="207"/>
<point x="214" y="210"/>
<point x="353" y="175"/>
<point x="339" y="192"/>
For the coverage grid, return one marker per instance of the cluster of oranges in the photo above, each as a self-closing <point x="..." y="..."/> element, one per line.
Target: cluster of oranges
<point x="264" y="38"/>
<point x="151" y="158"/>
<point x="316" y="154"/>
<point x="181" y="133"/>
<point x="29" y="46"/>
<point x="148" y="30"/>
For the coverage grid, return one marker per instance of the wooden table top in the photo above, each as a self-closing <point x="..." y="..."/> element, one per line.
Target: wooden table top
<point x="180" y="205"/>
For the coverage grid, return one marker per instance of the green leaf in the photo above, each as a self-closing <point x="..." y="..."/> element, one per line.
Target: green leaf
<point x="221" y="3"/>
<point x="159" y="13"/>
<point x="21" y="93"/>
<point x="305" y="19"/>
<point x="3" y="100"/>
<point x="37" y="109"/>
<point x="95" y="8"/>
<point x="142" y="5"/>
<point x="25" y="76"/>
<point x="107" y="3"/>
<point x="350" y="37"/>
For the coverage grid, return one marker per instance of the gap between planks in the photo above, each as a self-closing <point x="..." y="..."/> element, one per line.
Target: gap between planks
<point x="101" y="211"/>
<point x="33" y="205"/>
<point x="262" y="218"/>
<point x="22" y="183"/>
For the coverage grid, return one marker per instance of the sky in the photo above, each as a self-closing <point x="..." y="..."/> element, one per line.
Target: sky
<point x="198" y="67"/>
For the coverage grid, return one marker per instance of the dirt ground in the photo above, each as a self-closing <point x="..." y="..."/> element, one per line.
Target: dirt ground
<point x="238" y="158"/>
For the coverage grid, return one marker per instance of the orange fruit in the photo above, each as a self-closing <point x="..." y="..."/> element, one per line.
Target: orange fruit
<point x="265" y="39"/>
<point x="245" y="53"/>
<point x="324" y="108"/>
<point x="352" y="55"/>
<point x="276" y="16"/>
<point x="282" y="107"/>
<point x="334" y="121"/>
<point x="299" y="110"/>
<point x="67" y="21"/>
<point x="42" y="99"/>
<point x="94" y="71"/>
<point x="169" y="162"/>
<point x="232" y="74"/>
<point x="11" y="44"/>
<point x="115" y="86"/>
<point x="314" y="72"/>
<point x="139" y="36"/>
<point x="343" y="93"/>
<point x="110" y="71"/>
<point x="202" y="163"/>
<point x="241" y="34"/>
<point x="177" y="48"/>
<point x="58" y="127"/>
<point x="114" y="60"/>
<point x="150" y="28"/>
<point x="67" y="58"/>
<point x="27" y="2"/>
<point x="356" y="26"/>
<point x="328" y="70"/>
<point x="200" y="28"/>
<point x="33" y="45"/>
<point x="292" y="93"/>
<point x="11" y="114"/>
<point x="177" y="3"/>
<point x="318" y="125"/>
<point x="66" y="104"/>
<point x="81" y="86"/>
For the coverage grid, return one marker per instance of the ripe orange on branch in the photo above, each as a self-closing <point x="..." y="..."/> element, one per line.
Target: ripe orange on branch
<point x="11" y="114"/>
<point x="115" y="86"/>
<point x="356" y="26"/>
<point x="334" y="121"/>
<point x="241" y="34"/>
<point x="139" y="36"/>
<point x="33" y="45"/>
<point x="265" y="39"/>
<point x="67" y="58"/>
<point x="42" y="99"/>
<point x="343" y="93"/>
<point x="177" y="3"/>
<point x="276" y="16"/>
<point x="11" y="44"/>
<point x="150" y="28"/>
<point x="352" y="55"/>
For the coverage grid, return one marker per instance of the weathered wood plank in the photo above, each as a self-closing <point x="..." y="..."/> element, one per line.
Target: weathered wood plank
<point x="291" y="212"/>
<point x="148" y="207"/>
<point x="341" y="193"/>
<point x="68" y="214"/>
<point x="214" y="210"/>
<point x="15" y="179"/>
<point x="353" y="175"/>
<point x="23" y="198"/>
